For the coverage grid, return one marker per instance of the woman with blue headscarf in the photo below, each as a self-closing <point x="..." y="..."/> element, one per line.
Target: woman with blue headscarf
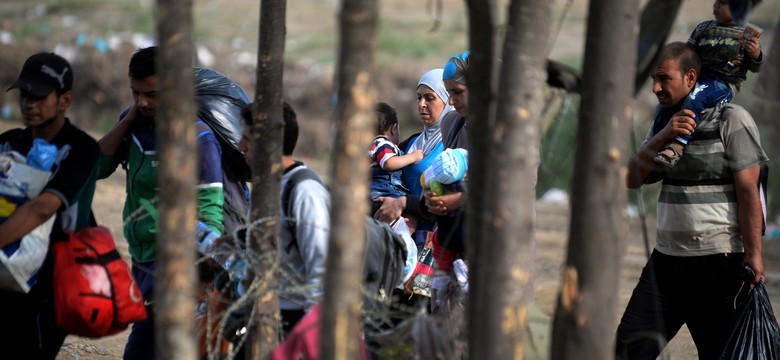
<point x="432" y="106"/>
<point x="448" y="209"/>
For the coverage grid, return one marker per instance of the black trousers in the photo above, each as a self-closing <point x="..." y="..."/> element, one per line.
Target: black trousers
<point x="28" y="329"/>
<point x="289" y="319"/>
<point x="696" y="291"/>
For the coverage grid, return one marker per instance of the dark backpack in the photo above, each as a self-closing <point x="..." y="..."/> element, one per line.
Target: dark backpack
<point x="385" y="255"/>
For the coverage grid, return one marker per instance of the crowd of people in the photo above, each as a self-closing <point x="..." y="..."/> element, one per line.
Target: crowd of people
<point x="710" y="216"/>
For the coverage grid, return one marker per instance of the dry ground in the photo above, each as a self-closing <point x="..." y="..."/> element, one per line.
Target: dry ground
<point x="552" y="234"/>
<point x="553" y="222"/>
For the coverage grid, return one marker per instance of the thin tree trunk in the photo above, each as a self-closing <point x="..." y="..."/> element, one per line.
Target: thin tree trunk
<point x="268" y="127"/>
<point x="768" y="86"/>
<point x="584" y="323"/>
<point x="340" y="323"/>
<point x="655" y="24"/>
<point x="506" y="285"/>
<point x="174" y="287"/>
<point x="480" y="77"/>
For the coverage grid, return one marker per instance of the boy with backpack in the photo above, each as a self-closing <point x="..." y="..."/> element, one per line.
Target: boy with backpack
<point x="305" y="224"/>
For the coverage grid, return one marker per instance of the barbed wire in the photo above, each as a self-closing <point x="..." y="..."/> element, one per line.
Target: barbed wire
<point x="226" y="315"/>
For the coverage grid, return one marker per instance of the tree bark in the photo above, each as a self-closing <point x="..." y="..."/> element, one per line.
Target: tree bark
<point x="584" y="322"/>
<point x="506" y="285"/>
<point x="340" y="322"/>
<point x="174" y="287"/>
<point x="655" y="24"/>
<point x="767" y="86"/>
<point x="267" y="133"/>
<point x="481" y="79"/>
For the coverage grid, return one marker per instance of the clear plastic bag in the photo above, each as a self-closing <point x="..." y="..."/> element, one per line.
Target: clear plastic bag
<point x="756" y="334"/>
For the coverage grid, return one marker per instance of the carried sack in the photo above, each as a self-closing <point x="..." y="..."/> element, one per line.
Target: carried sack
<point x="220" y="101"/>
<point x="756" y="334"/>
<point x="94" y="292"/>
<point x="21" y="179"/>
<point x="21" y="260"/>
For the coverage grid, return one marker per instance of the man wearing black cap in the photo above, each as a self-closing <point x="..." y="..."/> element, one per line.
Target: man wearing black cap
<point x="44" y="95"/>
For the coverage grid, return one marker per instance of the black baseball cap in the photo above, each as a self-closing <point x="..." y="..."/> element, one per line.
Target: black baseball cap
<point x="43" y="73"/>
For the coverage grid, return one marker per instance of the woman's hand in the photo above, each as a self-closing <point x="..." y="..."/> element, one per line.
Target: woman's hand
<point x="391" y="208"/>
<point x="442" y="204"/>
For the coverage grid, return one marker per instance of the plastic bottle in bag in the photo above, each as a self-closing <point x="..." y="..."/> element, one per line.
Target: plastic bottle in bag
<point x="42" y="155"/>
<point x="225" y="256"/>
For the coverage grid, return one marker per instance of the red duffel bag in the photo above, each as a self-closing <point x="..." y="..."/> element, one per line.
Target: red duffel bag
<point x="94" y="292"/>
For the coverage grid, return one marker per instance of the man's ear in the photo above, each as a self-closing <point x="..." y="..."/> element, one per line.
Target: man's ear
<point x="65" y="100"/>
<point x="690" y="78"/>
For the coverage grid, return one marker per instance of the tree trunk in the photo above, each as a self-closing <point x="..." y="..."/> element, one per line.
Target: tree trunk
<point x="267" y="132"/>
<point x="655" y="24"/>
<point x="767" y="86"/>
<point x="340" y="323"/>
<point x="482" y="86"/>
<point x="506" y="285"/>
<point x="174" y="286"/>
<point x="584" y="323"/>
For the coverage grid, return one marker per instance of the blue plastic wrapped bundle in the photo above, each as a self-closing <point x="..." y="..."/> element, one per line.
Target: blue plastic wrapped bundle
<point x="449" y="167"/>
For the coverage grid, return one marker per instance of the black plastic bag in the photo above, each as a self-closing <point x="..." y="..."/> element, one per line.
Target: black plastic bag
<point x="220" y="101"/>
<point x="756" y="334"/>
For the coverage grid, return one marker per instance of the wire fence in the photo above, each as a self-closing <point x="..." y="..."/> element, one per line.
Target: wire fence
<point x="394" y="326"/>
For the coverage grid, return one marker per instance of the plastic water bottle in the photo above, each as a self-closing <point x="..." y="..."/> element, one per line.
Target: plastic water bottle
<point x="225" y="256"/>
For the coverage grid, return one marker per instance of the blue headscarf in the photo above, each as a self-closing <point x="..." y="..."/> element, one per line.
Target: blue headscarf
<point x="456" y="67"/>
<point x="431" y="135"/>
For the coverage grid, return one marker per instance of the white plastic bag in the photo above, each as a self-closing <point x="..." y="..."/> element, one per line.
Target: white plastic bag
<point x="21" y="260"/>
<point x="399" y="227"/>
<point x="19" y="266"/>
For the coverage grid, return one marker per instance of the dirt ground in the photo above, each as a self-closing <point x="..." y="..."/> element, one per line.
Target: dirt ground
<point x="552" y="235"/>
<point x="553" y="222"/>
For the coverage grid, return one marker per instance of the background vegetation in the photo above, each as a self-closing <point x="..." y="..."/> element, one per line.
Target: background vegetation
<point x="413" y="36"/>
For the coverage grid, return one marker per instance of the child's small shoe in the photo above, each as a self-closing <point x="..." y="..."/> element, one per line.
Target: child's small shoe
<point x="669" y="156"/>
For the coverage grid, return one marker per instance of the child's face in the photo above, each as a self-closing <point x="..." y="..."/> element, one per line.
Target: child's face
<point x="722" y="12"/>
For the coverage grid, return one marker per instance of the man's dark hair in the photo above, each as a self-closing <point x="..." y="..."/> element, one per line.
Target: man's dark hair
<point x="290" y="126"/>
<point x="290" y="130"/>
<point x="142" y="63"/>
<point x="246" y="115"/>
<point x="685" y="55"/>
<point x="386" y="117"/>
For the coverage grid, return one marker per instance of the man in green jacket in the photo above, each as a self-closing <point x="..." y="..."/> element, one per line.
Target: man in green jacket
<point x="132" y="142"/>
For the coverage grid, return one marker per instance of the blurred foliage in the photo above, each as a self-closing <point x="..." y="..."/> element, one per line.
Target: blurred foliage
<point x="556" y="168"/>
